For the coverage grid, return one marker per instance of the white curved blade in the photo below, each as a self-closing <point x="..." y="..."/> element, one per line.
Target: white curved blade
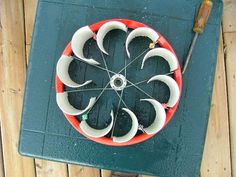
<point x="160" y="117"/>
<point x="77" y="43"/>
<point x="132" y="132"/>
<point x="62" y="72"/>
<point x="142" y="31"/>
<point x="95" y="133"/>
<point x="166" y="54"/>
<point x="66" y="107"/>
<point x="173" y="86"/>
<point x="105" y="28"/>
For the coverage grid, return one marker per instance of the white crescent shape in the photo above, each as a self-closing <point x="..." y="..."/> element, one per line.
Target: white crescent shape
<point x="105" y="28"/>
<point x="62" y="72"/>
<point x="166" y="54"/>
<point x="160" y="117"/>
<point x="142" y="31"/>
<point x="66" y="107"/>
<point x="173" y="86"/>
<point x="77" y="43"/>
<point x="132" y="132"/>
<point x="95" y="133"/>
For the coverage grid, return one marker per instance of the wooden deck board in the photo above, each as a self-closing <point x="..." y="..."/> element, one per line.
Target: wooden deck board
<point x="229" y="13"/>
<point x="217" y="138"/>
<point x="81" y="171"/>
<point x="1" y="82"/>
<point x="13" y="71"/>
<point x="230" y="44"/>
<point x="220" y="135"/>
<point x="50" y="169"/>
<point x="105" y="173"/>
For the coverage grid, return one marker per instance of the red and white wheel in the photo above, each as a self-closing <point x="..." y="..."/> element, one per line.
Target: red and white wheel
<point x="118" y="82"/>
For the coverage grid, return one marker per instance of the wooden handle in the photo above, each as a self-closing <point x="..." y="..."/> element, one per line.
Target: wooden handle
<point x="203" y="15"/>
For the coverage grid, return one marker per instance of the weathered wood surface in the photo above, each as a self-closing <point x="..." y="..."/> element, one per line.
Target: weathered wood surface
<point x="230" y="48"/>
<point x="229" y="12"/>
<point x="17" y="19"/>
<point x="12" y="81"/>
<point x="80" y="171"/>
<point x="217" y="138"/>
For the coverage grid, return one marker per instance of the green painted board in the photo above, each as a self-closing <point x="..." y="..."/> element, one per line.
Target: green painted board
<point x="177" y="149"/>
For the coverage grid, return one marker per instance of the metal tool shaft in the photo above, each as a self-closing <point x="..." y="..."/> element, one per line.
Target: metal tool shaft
<point x="190" y="52"/>
<point x="199" y="25"/>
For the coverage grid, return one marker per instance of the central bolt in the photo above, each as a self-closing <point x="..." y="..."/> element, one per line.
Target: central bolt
<point x="118" y="82"/>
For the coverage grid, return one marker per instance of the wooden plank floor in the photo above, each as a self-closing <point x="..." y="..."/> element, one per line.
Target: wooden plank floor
<point x="16" y="24"/>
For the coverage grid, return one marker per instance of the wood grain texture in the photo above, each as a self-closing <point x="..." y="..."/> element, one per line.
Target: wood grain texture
<point x="216" y="156"/>
<point x="1" y="83"/>
<point x="30" y="10"/>
<point x="230" y="44"/>
<point x="105" y="173"/>
<point x="46" y="168"/>
<point x="80" y="171"/>
<point x="229" y="13"/>
<point x="12" y="66"/>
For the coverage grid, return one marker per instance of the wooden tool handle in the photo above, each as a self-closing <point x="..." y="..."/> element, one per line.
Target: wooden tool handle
<point x="202" y="17"/>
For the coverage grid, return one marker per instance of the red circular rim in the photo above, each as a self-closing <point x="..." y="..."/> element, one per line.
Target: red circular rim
<point x="169" y="112"/>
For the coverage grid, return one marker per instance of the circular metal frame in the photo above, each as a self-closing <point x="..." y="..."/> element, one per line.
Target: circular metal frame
<point x="169" y="112"/>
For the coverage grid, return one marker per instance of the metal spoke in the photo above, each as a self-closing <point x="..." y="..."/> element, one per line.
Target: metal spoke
<point x="137" y="83"/>
<point x="104" y="61"/>
<point x="121" y="99"/>
<point x="140" y="82"/>
<point x="117" y="111"/>
<point x="140" y="89"/>
<point x="99" y="96"/>
<point x="97" y="89"/>
<point x="141" y="127"/>
<point x="96" y="66"/>
<point x="85" y="90"/>
<point x="106" y="69"/>
<point x="133" y="60"/>
<point x="118" y="106"/>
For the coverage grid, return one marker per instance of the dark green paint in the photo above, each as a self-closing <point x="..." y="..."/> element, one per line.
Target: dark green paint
<point x="177" y="149"/>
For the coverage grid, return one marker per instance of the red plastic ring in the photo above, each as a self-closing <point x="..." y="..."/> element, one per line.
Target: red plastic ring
<point x="169" y="112"/>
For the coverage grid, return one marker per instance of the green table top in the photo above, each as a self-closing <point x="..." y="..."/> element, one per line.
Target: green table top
<point x="177" y="149"/>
